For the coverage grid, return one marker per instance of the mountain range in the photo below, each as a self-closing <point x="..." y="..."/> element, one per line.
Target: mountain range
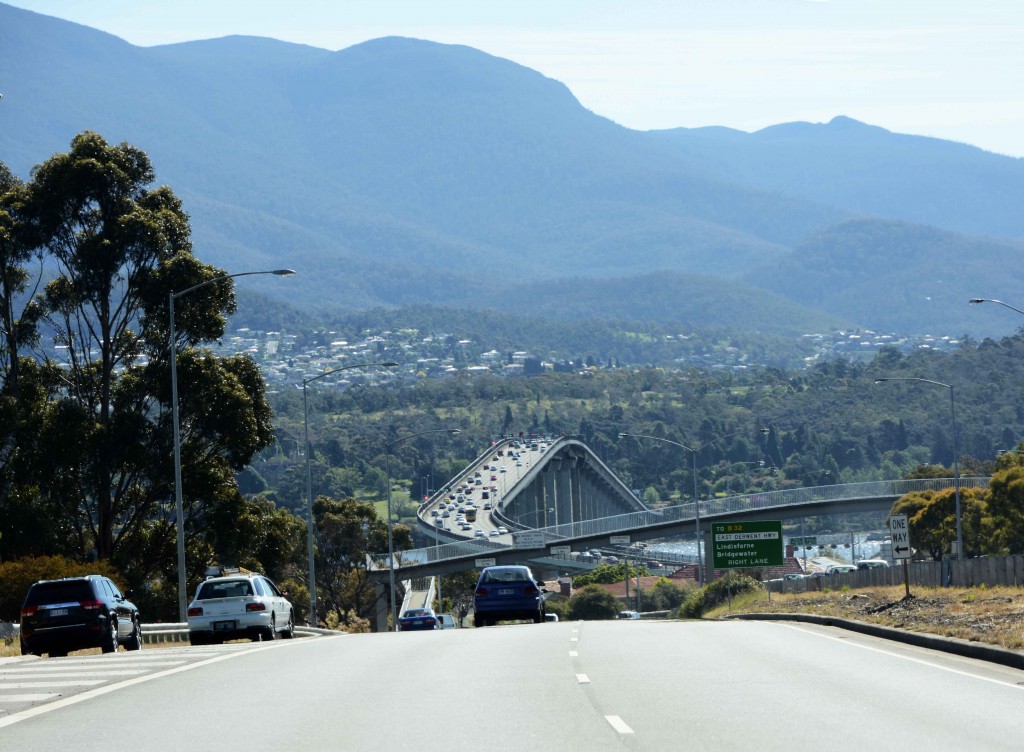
<point x="401" y="171"/>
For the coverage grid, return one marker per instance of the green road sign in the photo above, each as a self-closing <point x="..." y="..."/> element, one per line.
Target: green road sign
<point x="810" y="540"/>
<point x="741" y="545"/>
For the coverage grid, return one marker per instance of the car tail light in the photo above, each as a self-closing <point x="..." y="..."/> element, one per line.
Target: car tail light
<point x="530" y="590"/>
<point x="481" y="592"/>
<point x="90" y="605"/>
<point x="195" y="611"/>
<point x="255" y="607"/>
<point x="28" y="611"/>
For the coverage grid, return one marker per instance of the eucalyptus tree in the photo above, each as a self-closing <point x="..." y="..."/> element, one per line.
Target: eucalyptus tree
<point x="117" y="247"/>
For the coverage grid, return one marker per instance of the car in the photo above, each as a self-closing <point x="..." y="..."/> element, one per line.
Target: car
<point x="840" y="569"/>
<point x="446" y="513"/>
<point x="872" y="564"/>
<point x="550" y="617"/>
<point x="503" y="469"/>
<point x="480" y="534"/>
<point x="74" y="613"/>
<point x="466" y="526"/>
<point x="503" y="531"/>
<point x="493" y="476"/>
<point x="495" y="533"/>
<point x="242" y="605"/>
<point x="487" y="505"/>
<point x="507" y="593"/>
<point x="447" y="621"/>
<point x="629" y="615"/>
<point x="434" y="513"/>
<point x="416" y="619"/>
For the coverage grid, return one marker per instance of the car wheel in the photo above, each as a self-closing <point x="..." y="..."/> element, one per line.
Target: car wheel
<point x="194" y="638"/>
<point x="56" y="653"/>
<point x="538" y="617"/>
<point x="271" y="631"/>
<point x="135" y="640"/>
<point x="289" y="631"/>
<point x="109" y="644"/>
<point x="478" y="620"/>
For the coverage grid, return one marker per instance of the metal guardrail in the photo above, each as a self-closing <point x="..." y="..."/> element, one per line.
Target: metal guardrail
<point x="154" y="634"/>
<point x="683" y="513"/>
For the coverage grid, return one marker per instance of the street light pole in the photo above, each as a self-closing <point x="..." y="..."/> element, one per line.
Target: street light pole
<point x="956" y="459"/>
<point x="178" y="501"/>
<point x="309" y="478"/>
<point x="696" y="501"/>
<point x="391" y="544"/>
<point x="978" y="301"/>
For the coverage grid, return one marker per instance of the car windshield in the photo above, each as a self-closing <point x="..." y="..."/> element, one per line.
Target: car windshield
<point x="416" y="612"/>
<point x="506" y="574"/>
<point x="229" y="589"/>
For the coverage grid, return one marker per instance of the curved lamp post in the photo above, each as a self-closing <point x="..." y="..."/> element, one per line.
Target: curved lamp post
<point x="696" y="501"/>
<point x="178" y="504"/>
<point x="391" y="544"/>
<point x="977" y="301"/>
<point x="956" y="464"/>
<point x="309" y="477"/>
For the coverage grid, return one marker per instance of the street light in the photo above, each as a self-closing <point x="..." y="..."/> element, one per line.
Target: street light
<point x="977" y="301"/>
<point x="956" y="465"/>
<point x="178" y="503"/>
<point x="309" y="477"/>
<point x="696" y="501"/>
<point x="391" y="545"/>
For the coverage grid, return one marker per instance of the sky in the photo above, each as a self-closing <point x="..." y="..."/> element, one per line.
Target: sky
<point x="952" y="69"/>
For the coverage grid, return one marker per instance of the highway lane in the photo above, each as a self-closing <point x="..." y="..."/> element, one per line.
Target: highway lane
<point x="595" y="686"/>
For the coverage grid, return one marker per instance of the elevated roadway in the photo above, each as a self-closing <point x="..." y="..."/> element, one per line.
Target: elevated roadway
<point x="647" y="524"/>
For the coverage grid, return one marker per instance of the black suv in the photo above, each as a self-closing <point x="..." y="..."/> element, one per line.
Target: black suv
<point x="76" y="613"/>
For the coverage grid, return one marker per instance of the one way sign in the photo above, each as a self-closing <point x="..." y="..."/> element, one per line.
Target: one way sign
<point x="899" y="533"/>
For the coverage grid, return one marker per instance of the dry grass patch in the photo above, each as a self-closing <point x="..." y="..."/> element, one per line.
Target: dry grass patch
<point x="990" y="615"/>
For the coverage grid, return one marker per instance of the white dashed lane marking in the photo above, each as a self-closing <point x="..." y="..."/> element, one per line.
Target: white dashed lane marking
<point x="618" y="724"/>
<point x="583" y="678"/>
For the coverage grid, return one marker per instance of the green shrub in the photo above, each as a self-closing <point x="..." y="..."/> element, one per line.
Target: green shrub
<point x="593" y="603"/>
<point x="700" y="601"/>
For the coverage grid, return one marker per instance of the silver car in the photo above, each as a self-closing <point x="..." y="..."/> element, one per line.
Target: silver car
<point x="239" y="606"/>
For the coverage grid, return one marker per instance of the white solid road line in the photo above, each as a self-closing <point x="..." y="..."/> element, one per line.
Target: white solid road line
<point x="618" y="724"/>
<point x="5" y="675"/>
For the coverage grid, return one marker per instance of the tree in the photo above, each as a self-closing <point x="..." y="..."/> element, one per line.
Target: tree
<point x="346" y="531"/>
<point x="1006" y="505"/>
<point x="117" y="249"/>
<point x="593" y="602"/>
<point x="932" y="520"/>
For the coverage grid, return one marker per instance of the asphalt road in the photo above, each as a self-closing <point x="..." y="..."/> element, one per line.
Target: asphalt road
<point x="564" y="686"/>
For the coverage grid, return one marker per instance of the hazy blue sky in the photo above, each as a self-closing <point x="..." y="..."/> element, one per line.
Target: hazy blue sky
<point x="947" y="68"/>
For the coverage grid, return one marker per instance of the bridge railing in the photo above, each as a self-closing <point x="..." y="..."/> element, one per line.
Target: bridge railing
<point x="681" y="513"/>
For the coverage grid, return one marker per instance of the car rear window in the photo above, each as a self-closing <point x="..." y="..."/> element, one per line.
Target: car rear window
<point x="232" y="589"/>
<point x="59" y="592"/>
<point x="511" y="574"/>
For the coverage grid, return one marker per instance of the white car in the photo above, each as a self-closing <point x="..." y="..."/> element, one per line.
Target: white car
<point x="239" y="606"/>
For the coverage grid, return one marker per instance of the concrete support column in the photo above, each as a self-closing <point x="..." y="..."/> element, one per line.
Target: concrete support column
<point x="563" y="494"/>
<point x="577" y="489"/>
<point x="380" y="619"/>
<point x="549" y="495"/>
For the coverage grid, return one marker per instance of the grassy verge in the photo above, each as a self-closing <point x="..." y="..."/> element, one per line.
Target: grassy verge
<point x="991" y="615"/>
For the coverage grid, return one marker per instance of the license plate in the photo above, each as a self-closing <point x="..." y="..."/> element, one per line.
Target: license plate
<point x="506" y="591"/>
<point x="219" y="626"/>
<point x="58" y="612"/>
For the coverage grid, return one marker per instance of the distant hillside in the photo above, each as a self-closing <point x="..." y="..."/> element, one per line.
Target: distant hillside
<point x="897" y="276"/>
<point x="867" y="170"/>
<point x="401" y="171"/>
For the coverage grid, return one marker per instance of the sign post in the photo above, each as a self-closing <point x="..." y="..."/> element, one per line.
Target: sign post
<point x="899" y="534"/>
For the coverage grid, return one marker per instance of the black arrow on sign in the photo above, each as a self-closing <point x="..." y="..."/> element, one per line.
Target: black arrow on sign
<point x="900" y="549"/>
